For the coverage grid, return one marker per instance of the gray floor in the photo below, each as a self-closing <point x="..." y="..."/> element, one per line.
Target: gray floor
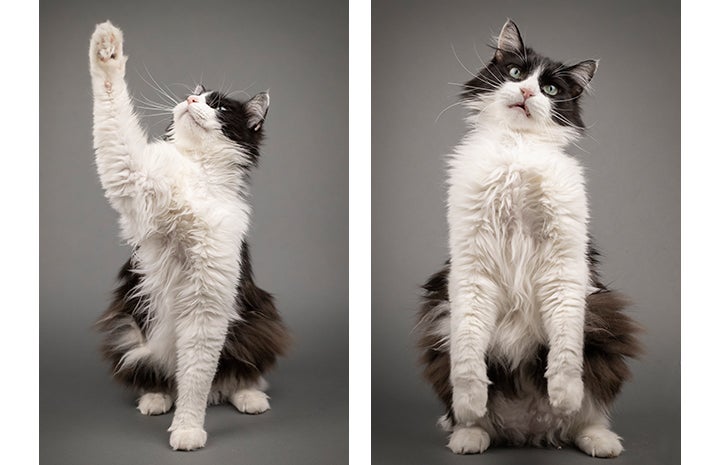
<point x="405" y="433"/>
<point x="88" y="419"/>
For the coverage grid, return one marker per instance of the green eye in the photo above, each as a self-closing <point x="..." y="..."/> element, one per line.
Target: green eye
<point x="515" y="73"/>
<point x="550" y="89"/>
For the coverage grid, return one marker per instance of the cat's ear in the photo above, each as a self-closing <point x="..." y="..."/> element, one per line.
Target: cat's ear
<point x="199" y="89"/>
<point x="582" y="73"/>
<point x="257" y="109"/>
<point x="509" y="40"/>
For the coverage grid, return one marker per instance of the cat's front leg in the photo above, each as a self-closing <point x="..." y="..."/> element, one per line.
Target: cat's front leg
<point x="203" y="306"/>
<point x="131" y="187"/>
<point x="562" y="294"/>
<point x="200" y="337"/>
<point x="473" y="299"/>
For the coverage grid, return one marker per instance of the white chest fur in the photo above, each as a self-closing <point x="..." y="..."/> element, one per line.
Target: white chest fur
<point x="511" y="199"/>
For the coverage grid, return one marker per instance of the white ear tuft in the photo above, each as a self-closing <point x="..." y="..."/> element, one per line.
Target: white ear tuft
<point x="257" y="108"/>
<point x="509" y="40"/>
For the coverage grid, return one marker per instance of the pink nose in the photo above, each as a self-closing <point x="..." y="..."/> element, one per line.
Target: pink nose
<point x="527" y="93"/>
<point x="193" y="99"/>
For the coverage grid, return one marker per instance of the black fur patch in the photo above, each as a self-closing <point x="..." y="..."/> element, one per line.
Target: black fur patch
<point x="235" y="118"/>
<point x="253" y="344"/>
<point x="610" y="338"/>
<point x="126" y="315"/>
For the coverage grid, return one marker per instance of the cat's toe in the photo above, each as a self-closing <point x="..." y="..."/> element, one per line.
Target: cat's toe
<point x="251" y="401"/>
<point x="600" y="442"/>
<point x="470" y="440"/>
<point x="154" y="403"/>
<point x="188" y="439"/>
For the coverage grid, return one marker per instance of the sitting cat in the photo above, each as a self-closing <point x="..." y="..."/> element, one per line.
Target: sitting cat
<point x="520" y="339"/>
<point x="188" y="325"/>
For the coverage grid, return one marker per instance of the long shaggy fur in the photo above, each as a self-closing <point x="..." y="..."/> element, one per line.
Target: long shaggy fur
<point x="610" y="336"/>
<point x="519" y="338"/>
<point x="188" y="325"/>
<point x="255" y="339"/>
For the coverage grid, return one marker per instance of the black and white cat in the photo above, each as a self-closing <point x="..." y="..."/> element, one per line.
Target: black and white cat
<point x="188" y="325"/>
<point x="520" y="339"/>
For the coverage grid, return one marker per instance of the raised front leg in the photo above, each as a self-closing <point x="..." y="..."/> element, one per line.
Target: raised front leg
<point x="119" y="141"/>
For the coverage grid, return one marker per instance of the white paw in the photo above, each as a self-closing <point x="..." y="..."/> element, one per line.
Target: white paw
<point x="188" y="439"/>
<point x="469" y="401"/>
<point x="470" y="440"/>
<point x="250" y="401"/>
<point x="154" y="403"/>
<point x="565" y="393"/>
<point x="106" y="48"/>
<point x="599" y="442"/>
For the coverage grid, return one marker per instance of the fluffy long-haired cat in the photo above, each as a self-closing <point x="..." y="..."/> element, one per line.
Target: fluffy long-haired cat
<point x="188" y="325"/>
<point x="520" y="339"/>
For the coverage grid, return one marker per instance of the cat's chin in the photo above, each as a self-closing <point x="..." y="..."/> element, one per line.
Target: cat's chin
<point x="520" y="109"/>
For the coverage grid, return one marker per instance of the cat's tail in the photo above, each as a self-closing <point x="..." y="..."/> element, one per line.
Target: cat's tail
<point x="610" y="339"/>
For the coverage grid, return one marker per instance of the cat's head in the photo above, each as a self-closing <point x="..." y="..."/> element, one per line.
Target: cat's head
<point x="212" y="117"/>
<point x="525" y="91"/>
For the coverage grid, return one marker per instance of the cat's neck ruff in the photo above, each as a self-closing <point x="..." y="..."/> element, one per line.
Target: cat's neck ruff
<point x="556" y="138"/>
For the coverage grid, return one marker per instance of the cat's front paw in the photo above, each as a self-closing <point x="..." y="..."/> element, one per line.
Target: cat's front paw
<point x="565" y="393"/>
<point x="106" y="49"/>
<point x="469" y="401"/>
<point x="188" y="438"/>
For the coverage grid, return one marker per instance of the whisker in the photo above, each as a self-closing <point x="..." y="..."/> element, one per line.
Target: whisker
<point x="446" y="109"/>
<point x="460" y="62"/>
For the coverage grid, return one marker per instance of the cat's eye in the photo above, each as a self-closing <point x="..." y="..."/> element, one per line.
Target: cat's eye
<point x="550" y="89"/>
<point x="515" y="72"/>
<point x="221" y="109"/>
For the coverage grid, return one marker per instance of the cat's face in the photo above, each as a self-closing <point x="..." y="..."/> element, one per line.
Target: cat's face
<point x="210" y="116"/>
<point x="525" y="91"/>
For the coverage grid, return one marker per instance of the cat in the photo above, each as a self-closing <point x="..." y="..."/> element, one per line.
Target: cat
<point x="519" y="338"/>
<point x="188" y="326"/>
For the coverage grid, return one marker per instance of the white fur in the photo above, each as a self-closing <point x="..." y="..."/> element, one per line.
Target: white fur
<point x="517" y="218"/>
<point x="179" y="207"/>
<point x="250" y="401"/>
<point x="469" y="440"/>
<point x="598" y="441"/>
<point x="152" y="403"/>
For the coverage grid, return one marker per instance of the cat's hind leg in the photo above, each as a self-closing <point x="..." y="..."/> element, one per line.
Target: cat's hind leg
<point x="250" y="400"/>
<point x="594" y="437"/>
<point x="155" y="403"/>
<point x="469" y="440"/>
<point x="599" y="441"/>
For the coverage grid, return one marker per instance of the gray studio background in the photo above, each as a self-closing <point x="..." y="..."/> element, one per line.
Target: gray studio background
<point x="633" y="171"/>
<point x="299" y="238"/>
